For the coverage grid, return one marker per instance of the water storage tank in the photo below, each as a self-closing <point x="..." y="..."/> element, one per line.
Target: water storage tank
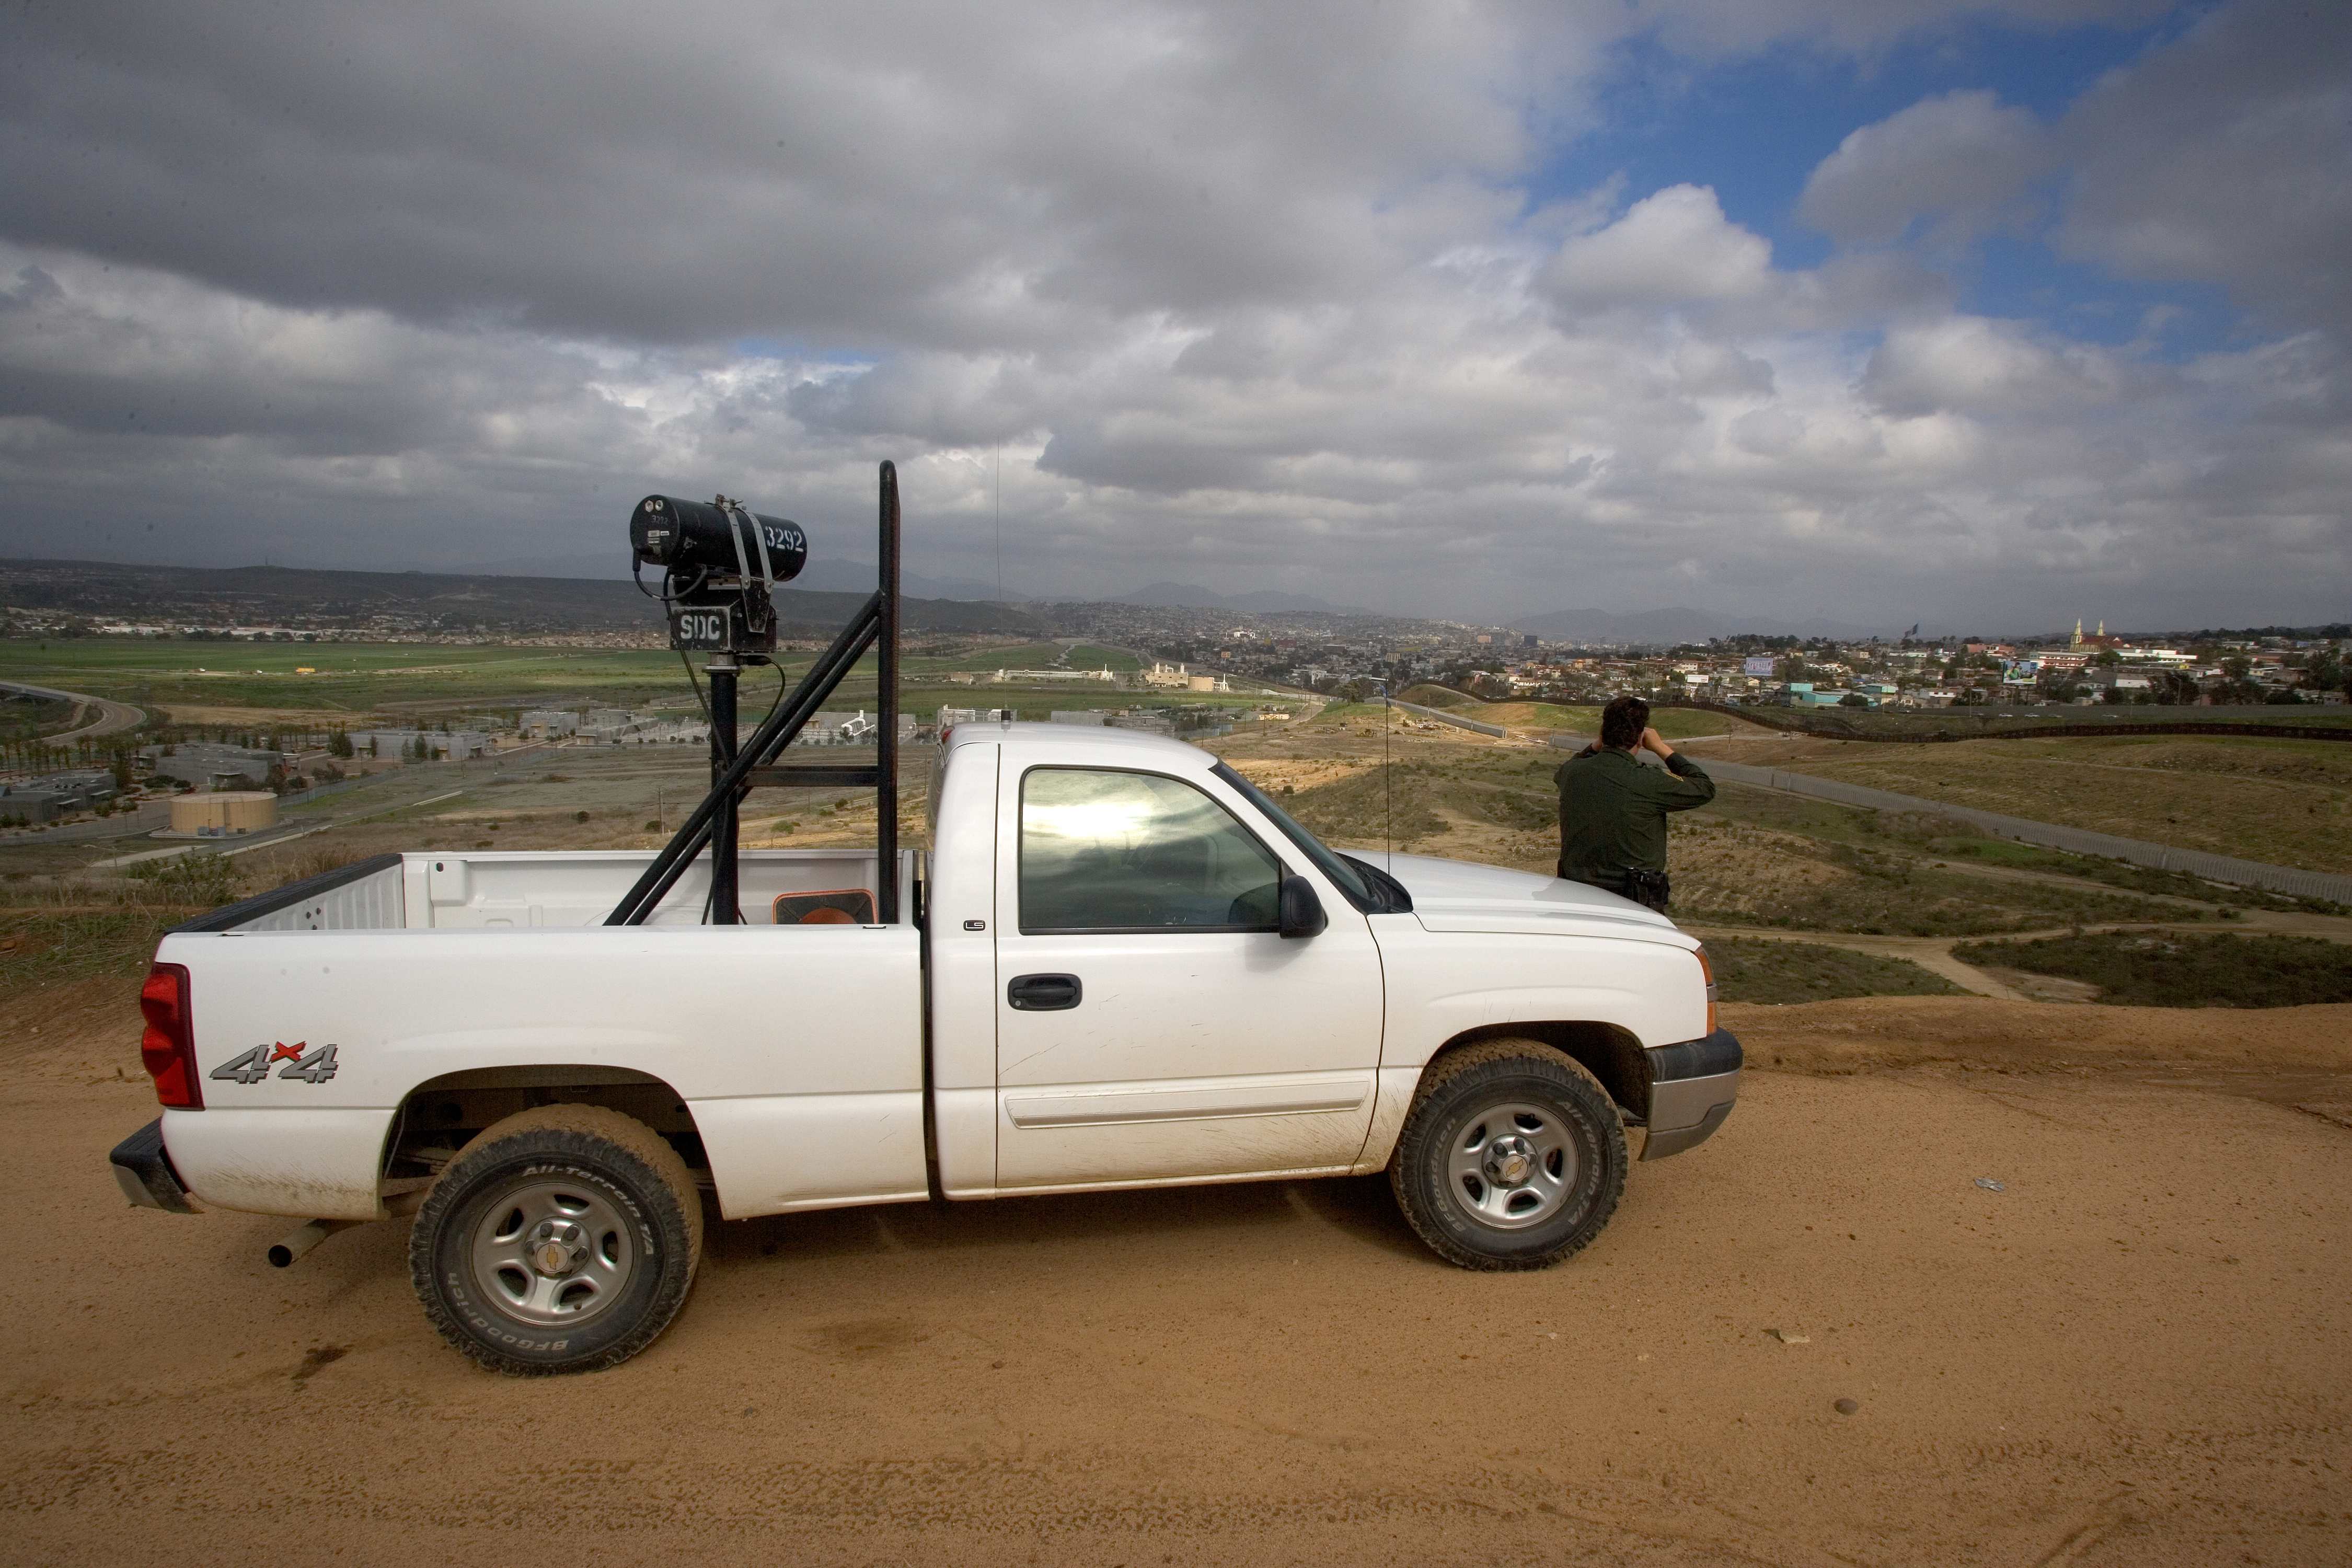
<point x="226" y="814"/>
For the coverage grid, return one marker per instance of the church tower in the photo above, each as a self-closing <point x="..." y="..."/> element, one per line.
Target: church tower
<point x="2077" y="642"/>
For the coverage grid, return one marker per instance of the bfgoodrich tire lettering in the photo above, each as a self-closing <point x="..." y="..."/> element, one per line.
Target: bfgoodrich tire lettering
<point x="1512" y="1157"/>
<point x="561" y="1239"/>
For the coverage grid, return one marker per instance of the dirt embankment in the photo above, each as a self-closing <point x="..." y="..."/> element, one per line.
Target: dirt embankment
<point x="1820" y="1340"/>
<point x="1877" y="1033"/>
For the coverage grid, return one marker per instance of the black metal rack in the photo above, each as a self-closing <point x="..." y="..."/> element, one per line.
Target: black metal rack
<point x="714" y="824"/>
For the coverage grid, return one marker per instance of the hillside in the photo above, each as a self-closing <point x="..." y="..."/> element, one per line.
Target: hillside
<point x="416" y="600"/>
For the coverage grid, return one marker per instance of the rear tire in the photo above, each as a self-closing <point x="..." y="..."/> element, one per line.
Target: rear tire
<point x="1512" y="1157"/>
<point x="564" y="1238"/>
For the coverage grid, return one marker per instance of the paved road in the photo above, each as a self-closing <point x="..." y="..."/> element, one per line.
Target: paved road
<point x="132" y="829"/>
<point x="114" y="717"/>
<point x="142" y="820"/>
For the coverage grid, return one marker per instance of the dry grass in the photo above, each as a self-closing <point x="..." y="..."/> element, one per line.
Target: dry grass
<point x="1496" y="805"/>
<point x="1785" y="863"/>
<point x="1674" y="723"/>
<point x="2163" y="969"/>
<point x="1789" y="973"/>
<point x="1733" y="873"/>
<point x="265" y="718"/>
<point x="2288" y="803"/>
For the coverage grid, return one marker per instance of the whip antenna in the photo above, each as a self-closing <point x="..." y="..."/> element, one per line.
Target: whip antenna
<point x="1388" y="779"/>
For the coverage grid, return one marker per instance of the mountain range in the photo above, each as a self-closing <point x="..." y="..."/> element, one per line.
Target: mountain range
<point x="1680" y="624"/>
<point x="585" y="591"/>
<point x="859" y="575"/>
<point x="268" y="594"/>
<point x="1191" y="595"/>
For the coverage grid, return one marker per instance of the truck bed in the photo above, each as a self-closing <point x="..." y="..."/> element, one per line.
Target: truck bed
<point x="488" y="889"/>
<point x="797" y="1052"/>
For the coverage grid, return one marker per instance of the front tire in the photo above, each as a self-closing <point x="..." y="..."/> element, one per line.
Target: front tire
<point x="564" y="1238"/>
<point x="1512" y="1157"/>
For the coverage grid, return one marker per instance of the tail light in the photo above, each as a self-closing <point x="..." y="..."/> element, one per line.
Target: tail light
<point x="1708" y="970"/>
<point x="169" y="1046"/>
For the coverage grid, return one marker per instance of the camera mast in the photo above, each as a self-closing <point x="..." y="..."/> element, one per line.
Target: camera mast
<point x="724" y="610"/>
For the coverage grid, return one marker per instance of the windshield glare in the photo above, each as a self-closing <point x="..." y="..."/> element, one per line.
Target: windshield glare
<point x="1349" y="881"/>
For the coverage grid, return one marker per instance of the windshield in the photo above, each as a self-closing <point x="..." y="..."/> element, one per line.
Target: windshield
<point x="1373" y="891"/>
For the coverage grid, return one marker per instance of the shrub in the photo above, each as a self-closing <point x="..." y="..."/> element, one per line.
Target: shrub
<point x="1922" y="827"/>
<point x="1749" y="969"/>
<point x="2154" y="969"/>
<point x="197" y="878"/>
<point x="318" y="863"/>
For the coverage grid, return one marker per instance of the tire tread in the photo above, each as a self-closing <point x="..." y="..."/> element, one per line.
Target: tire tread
<point x="581" y="1131"/>
<point x="1409" y="1152"/>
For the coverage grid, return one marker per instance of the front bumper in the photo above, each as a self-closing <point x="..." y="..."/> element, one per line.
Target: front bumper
<point x="144" y="1171"/>
<point x="1693" y="1087"/>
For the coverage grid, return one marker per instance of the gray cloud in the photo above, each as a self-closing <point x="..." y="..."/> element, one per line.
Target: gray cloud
<point x="1962" y="157"/>
<point x="1867" y="27"/>
<point x="1672" y="248"/>
<point x="1236" y="295"/>
<point x="938" y="173"/>
<point x="2227" y="160"/>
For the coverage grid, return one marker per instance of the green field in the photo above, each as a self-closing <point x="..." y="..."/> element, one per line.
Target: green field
<point x="357" y="680"/>
<point x="1024" y="655"/>
<point x="1087" y="655"/>
<point x="352" y="683"/>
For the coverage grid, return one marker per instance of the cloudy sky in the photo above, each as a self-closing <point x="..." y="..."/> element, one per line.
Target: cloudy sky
<point x="1884" y="310"/>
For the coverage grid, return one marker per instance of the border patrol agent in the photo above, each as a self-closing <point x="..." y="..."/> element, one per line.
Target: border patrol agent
<point x="1613" y="809"/>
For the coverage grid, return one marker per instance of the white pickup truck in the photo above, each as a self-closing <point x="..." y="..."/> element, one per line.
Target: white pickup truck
<point x="1127" y="967"/>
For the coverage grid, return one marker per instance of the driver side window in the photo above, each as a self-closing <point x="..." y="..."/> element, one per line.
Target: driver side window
<point x="1118" y="851"/>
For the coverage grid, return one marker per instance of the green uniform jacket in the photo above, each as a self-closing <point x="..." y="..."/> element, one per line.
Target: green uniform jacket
<point x="1612" y="813"/>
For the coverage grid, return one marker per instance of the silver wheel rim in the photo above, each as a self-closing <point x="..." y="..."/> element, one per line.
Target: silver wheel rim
<point x="1512" y="1165"/>
<point x="552" y="1253"/>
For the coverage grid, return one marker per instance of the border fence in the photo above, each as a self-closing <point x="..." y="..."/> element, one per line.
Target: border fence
<point x="1930" y="726"/>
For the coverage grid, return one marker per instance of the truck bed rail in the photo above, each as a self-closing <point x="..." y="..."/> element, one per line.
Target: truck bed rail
<point x="363" y="895"/>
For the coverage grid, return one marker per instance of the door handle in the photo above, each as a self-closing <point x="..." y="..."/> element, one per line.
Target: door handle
<point x="1044" y="993"/>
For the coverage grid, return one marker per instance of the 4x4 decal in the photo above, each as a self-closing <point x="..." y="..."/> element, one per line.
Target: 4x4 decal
<point x="301" y="1062"/>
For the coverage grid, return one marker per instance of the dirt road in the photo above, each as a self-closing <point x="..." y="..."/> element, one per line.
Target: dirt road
<point x="2140" y="1352"/>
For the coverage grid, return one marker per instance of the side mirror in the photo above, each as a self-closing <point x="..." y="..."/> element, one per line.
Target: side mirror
<point x="1302" y="911"/>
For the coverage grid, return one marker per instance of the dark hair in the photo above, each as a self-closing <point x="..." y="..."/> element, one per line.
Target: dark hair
<point x="1622" y="722"/>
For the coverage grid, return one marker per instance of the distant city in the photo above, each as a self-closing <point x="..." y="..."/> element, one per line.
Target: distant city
<point x="1203" y="647"/>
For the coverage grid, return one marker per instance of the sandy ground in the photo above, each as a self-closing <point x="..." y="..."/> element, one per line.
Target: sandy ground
<point x="2136" y="1353"/>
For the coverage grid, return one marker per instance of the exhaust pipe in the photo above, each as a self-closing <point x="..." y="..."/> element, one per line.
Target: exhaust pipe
<point x="300" y="1240"/>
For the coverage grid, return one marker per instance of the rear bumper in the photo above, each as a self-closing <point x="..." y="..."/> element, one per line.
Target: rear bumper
<point x="144" y="1171"/>
<point x="1693" y="1087"/>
